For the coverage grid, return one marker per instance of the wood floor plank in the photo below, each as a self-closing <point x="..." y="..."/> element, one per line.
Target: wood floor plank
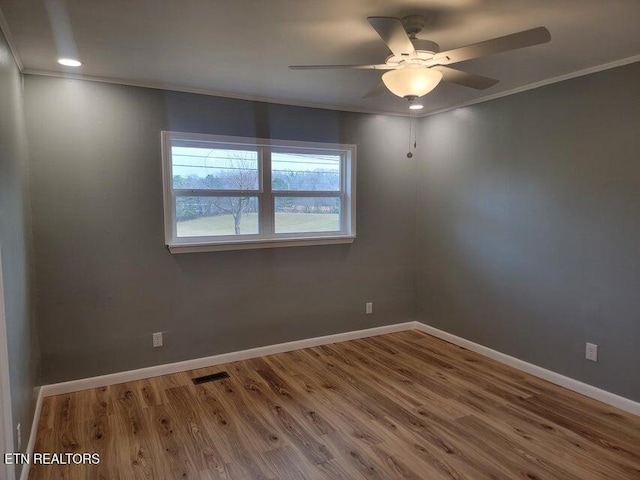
<point x="200" y="445"/>
<point x="165" y="445"/>
<point x="240" y="443"/>
<point x="400" y="421"/>
<point x="399" y="406"/>
<point x="287" y="463"/>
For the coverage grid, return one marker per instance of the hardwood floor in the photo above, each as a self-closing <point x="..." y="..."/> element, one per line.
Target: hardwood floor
<point x="398" y="406"/>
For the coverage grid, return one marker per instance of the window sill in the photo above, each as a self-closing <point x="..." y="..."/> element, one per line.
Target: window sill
<point x="253" y="244"/>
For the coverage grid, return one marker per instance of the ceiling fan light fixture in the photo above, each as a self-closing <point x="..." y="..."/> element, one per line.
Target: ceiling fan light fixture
<point x="412" y="82"/>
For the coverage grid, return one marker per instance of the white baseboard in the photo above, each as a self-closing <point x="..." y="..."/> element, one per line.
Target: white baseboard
<point x="569" y="383"/>
<point x="24" y="475"/>
<point x="140" y="374"/>
<point x="157" y="370"/>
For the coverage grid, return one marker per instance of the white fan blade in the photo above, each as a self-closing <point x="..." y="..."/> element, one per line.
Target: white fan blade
<point x="381" y="66"/>
<point x="465" y="78"/>
<point x="393" y="34"/>
<point x="528" y="38"/>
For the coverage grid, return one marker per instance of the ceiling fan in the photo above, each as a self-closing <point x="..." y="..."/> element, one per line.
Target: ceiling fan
<point x="416" y="66"/>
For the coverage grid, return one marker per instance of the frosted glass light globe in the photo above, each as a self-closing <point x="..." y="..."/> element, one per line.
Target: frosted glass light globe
<point x="412" y="82"/>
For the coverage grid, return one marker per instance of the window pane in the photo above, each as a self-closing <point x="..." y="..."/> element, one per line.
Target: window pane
<point x="304" y="171"/>
<point x="307" y="214"/>
<point x="213" y="216"/>
<point x="214" y="168"/>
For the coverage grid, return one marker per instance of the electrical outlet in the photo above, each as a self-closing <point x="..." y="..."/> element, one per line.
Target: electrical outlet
<point x="368" y="308"/>
<point x="19" y="435"/>
<point x="157" y="339"/>
<point x="592" y="352"/>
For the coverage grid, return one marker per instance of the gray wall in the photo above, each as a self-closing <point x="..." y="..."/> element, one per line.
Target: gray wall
<point x="529" y="226"/>
<point x="105" y="281"/>
<point x="15" y="234"/>
<point x="526" y="227"/>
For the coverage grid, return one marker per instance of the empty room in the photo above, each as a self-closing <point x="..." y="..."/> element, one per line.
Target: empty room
<point x="321" y="240"/>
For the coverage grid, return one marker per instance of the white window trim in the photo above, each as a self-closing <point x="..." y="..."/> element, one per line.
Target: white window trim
<point x="219" y="243"/>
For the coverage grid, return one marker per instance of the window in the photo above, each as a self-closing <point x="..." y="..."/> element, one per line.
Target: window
<point x="226" y="193"/>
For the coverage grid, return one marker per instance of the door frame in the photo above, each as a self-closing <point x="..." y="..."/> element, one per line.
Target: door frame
<point x="6" y="418"/>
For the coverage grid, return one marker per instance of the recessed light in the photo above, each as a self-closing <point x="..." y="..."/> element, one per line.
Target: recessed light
<point x="416" y="106"/>
<point x="69" y="62"/>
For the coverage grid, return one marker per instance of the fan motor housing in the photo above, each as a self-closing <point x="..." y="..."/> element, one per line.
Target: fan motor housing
<point x="413" y="24"/>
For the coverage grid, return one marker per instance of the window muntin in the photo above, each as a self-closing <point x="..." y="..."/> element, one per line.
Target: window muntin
<point x="234" y="192"/>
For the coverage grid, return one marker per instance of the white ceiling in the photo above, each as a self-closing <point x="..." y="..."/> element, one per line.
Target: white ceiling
<point x="243" y="47"/>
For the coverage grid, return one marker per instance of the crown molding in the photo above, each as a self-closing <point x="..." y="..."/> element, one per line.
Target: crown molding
<point x="209" y="92"/>
<point x="281" y="101"/>
<point x="542" y="83"/>
<point x="4" y="27"/>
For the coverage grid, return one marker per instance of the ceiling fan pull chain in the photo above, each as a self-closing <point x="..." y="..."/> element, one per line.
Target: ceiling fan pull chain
<point x="410" y="154"/>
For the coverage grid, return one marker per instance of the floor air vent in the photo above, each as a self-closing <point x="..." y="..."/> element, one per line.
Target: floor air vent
<point x="210" y="378"/>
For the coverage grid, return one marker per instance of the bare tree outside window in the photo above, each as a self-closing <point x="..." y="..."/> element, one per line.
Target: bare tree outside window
<point x="242" y="177"/>
<point x="222" y="170"/>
